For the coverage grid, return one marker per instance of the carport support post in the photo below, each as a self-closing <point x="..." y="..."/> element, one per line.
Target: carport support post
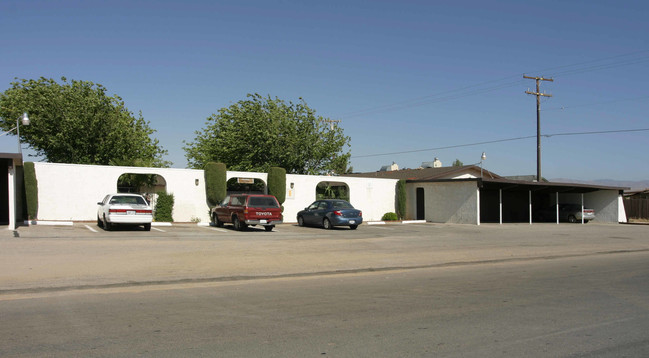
<point x="500" y="192"/>
<point x="530" y="201"/>
<point x="557" y="208"/>
<point x="582" y="208"/>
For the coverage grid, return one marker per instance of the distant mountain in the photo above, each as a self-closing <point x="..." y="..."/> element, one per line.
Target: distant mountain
<point x="634" y="185"/>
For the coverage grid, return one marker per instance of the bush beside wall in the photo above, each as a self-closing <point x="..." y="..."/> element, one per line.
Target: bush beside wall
<point x="216" y="186"/>
<point x="389" y="217"/>
<point x="31" y="190"/>
<point x="277" y="183"/>
<point x="401" y="199"/>
<point x="164" y="207"/>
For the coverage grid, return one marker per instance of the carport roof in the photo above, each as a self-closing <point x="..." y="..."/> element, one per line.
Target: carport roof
<point x="520" y="185"/>
<point x="426" y="173"/>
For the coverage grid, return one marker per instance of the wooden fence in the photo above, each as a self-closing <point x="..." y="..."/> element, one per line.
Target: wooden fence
<point x="637" y="208"/>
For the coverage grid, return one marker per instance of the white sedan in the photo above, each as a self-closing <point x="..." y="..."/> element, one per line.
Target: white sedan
<point x="124" y="209"/>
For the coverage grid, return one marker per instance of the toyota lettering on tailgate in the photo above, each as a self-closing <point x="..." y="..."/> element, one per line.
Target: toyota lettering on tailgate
<point x="264" y="213"/>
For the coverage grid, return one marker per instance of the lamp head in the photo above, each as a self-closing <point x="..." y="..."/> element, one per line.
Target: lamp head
<point x="25" y="119"/>
<point x="484" y="156"/>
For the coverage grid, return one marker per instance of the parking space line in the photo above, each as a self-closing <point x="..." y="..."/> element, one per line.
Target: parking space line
<point x="156" y="229"/>
<point x="215" y="229"/>
<point x="89" y="228"/>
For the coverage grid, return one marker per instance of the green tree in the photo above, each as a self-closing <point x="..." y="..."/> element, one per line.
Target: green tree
<point x="258" y="133"/>
<point x="457" y="163"/>
<point x="78" y="122"/>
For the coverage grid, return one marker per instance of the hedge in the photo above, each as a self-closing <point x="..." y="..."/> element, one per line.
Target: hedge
<point x="277" y="183"/>
<point x="401" y="198"/>
<point x="216" y="186"/>
<point x="31" y="190"/>
<point x="164" y="207"/>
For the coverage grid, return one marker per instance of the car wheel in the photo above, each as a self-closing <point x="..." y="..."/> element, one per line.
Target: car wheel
<point x="216" y="221"/>
<point x="572" y="219"/>
<point x="353" y="227"/>
<point x="237" y="223"/>
<point x="147" y="227"/>
<point x="107" y="226"/>
<point x="300" y="221"/>
<point x="99" y="222"/>
<point x="269" y="227"/>
<point x="327" y="224"/>
<point x="585" y="221"/>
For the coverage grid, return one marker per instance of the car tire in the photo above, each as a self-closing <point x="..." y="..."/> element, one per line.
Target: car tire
<point x="237" y="223"/>
<point x="147" y="227"/>
<point x="585" y="221"/>
<point x="353" y="227"/>
<point x="300" y="221"/>
<point x="572" y="219"/>
<point x="99" y="222"/>
<point x="216" y="221"/>
<point x="327" y="224"/>
<point x="107" y="226"/>
<point x="269" y="227"/>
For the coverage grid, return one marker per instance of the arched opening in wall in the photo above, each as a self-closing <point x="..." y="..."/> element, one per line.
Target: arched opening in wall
<point x="332" y="190"/>
<point x="246" y="186"/>
<point x="146" y="184"/>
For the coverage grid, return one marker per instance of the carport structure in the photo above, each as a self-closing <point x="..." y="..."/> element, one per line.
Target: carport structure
<point x="501" y="200"/>
<point x="513" y="201"/>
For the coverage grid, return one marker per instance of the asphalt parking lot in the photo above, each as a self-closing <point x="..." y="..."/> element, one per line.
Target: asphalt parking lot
<point x="41" y="258"/>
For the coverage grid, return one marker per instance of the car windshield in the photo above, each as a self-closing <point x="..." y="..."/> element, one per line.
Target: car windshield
<point x="342" y="205"/>
<point x="262" y="202"/>
<point x="132" y="200"/>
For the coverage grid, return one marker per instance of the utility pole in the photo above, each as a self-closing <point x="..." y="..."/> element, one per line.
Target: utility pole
<point x="538" y="95"/>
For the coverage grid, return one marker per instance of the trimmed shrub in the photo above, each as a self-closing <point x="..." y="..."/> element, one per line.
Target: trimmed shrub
<point x="31" y="190"/>
<point x="401" y="199"/>
<point x="389" y="217"/>
<point x="164" y="207"/>
<point x="216" y="186"/>
<point x="277" y="183"/>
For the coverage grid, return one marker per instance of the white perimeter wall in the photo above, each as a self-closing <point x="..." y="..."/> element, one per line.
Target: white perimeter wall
<point x="70" y="192"/>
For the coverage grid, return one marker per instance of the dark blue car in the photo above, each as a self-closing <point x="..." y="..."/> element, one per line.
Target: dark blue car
<point x="329" y="213"/>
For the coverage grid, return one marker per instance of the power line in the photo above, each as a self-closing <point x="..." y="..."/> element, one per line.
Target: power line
<point x="500" y="141"/>
<point x="594" y="104"/>
<point x="472" y="90"/>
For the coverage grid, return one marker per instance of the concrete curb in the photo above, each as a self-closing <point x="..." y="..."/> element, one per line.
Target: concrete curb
<point x="404" y="222"/>
<point x="49" y="223"/>
<point x="71" y="223"/>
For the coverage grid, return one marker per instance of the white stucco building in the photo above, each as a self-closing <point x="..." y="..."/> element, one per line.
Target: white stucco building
<point x="70" y="192"/>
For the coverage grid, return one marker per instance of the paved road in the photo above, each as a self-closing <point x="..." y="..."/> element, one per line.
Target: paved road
<point x="588" y="306"/>
<point x="48" y="259"/>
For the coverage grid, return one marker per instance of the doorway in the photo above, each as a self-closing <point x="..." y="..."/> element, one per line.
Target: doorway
<point x="421" y="213"/>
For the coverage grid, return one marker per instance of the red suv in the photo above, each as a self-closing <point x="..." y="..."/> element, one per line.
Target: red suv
<point x="248" y="209"/>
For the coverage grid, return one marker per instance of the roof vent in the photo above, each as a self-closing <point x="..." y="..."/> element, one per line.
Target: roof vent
<point x="434" y="164"/>
<point x="389" y="168"/>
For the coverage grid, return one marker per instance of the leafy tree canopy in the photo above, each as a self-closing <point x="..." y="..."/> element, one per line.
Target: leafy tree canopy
<point x="258" y="133"/>
<point x="77" y="122"/>
<point x="457" y="163"/>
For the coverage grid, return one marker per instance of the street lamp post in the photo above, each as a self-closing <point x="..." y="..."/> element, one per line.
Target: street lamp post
<point x="24" y="119"/>
<point x="482" y="158"/>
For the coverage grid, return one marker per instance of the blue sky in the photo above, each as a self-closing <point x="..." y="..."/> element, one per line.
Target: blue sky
<point x="406" y="76"/>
